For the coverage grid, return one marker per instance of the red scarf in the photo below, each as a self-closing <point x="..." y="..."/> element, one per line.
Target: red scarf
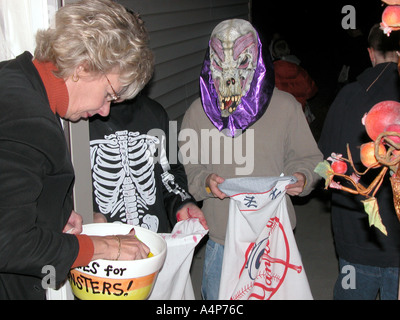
<point x="56" y="89"/>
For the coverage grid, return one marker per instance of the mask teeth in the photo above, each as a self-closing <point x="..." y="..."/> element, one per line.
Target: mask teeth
<point x="230" y="103"/>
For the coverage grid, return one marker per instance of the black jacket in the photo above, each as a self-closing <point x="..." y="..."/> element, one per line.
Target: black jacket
<point x="137" y="178"/>
<point x="36" y="180"/>
<point x="355" y="240"/>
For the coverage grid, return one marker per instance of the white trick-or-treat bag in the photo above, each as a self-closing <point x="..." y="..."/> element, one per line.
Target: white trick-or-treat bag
<point x="174" y="281"/>
<point x="261" y="258"/>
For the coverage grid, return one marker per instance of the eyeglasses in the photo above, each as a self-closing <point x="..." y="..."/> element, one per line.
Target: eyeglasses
<point x="114" y="96"/>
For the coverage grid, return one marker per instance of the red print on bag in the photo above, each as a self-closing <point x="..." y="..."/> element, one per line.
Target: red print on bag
<point x="264" y="274"/>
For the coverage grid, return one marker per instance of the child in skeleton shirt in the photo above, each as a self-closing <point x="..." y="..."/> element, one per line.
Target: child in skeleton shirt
<point x="137" y="178"/>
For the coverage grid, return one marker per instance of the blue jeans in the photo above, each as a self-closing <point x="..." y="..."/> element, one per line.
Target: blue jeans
<point x="361" y="282"/>
<point x="212" y="270"/>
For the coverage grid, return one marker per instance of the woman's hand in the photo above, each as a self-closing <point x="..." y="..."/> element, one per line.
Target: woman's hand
<point x="74" y="224"/>
<point x="119" y="247"/>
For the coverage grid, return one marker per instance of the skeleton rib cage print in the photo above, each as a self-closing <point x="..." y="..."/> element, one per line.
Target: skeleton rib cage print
<point x="123" y="176"/>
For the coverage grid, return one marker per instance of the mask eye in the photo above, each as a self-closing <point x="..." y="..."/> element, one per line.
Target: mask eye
<point x="216" y="65"/>
<point x="244" y="63"/>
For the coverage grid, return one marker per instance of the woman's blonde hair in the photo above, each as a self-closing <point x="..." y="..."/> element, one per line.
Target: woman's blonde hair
<point x="102" y="36"/>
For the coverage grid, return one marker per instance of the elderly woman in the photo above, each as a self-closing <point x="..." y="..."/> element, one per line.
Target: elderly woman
<point x="96" y="53"/>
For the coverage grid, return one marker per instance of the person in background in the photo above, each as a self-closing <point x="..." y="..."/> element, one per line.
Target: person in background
<point x="291" y="77"/>
<point x="97" y="53"/>
<point x="351" y="55"/>
<point x="136" y="178"/>
<point x="240" y="104"/>
<point x="374" y="257"/>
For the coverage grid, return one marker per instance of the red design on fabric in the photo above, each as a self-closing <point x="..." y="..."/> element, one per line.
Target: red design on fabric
<point x="258" y="266"/>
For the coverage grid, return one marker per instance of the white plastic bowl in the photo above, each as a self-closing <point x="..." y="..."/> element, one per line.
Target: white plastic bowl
<point x="119" y="280"/>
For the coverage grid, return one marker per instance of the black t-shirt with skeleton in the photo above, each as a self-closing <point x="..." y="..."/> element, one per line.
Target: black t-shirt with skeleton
<point x="133" y="179"/>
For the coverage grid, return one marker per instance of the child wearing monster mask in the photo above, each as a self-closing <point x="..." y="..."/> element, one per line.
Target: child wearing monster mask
<point x="239" y="103"/>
